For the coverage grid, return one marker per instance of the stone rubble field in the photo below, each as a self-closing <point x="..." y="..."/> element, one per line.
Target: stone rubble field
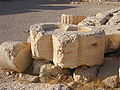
<point x="66" y="55"/>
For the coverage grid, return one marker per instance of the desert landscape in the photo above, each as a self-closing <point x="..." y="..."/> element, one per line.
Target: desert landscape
<point x="59" y="45"/>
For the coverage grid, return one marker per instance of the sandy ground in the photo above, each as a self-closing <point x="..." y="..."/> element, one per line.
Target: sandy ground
<point x="17" y="16"/>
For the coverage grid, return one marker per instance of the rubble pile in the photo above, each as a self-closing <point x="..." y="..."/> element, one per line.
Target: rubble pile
<point x="67" y="53"/>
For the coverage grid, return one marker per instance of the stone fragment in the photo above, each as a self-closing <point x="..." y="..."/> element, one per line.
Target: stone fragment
<point x="108" y="73"/>
<point x="91" y="21"/>
<point x="29" y="78"/>
<point x="73" y="49"/>
<point x="85" y="74"/>
<point x="100" y="18"/>
<point x="15" y="56"/>
<point x="50" y="72"/>
<point x="71" y="19"/>
<point x="37" y="65"/>
<point x="115" y="20"/>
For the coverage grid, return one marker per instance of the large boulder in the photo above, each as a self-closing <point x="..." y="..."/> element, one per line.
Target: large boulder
<point x="15" y="55"/>
<point x="85" y="74"/>
<point x="73" y="49"/>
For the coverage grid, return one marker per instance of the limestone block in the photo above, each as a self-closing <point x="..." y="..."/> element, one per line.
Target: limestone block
<point x="108" y="73"/>
<point x="41" y="39"/>
<point x="112" y="37"/>
<point x="106" y="16"/>
<point x="93" y="41"/>
<point x="72" y="49"/>
<point x="49" y="72"/>
<point x="71" y="19"/>
<point x="100" y="18"/>
<point x="37" y="65"/>
<point x="15" y="56"/>
<point x="85" y="74"/>
<point x="93" y="21"/>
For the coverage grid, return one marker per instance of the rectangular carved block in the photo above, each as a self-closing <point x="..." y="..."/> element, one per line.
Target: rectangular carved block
<point x="73" y="49"/>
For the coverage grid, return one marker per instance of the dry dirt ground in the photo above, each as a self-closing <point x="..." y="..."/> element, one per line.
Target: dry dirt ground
<point x="17" y="16"/>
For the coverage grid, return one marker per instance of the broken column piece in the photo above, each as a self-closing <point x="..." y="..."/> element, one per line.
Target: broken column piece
<point x="15" y="56"/>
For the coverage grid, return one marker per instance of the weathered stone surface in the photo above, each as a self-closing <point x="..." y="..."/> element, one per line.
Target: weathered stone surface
<point x="71" y="19"/>
<point x="85" y="74"/>
<point x="37" y="65"/>
<point x="100" y="18"/>
<point x="112" y="35"/>
<point x="72" y="49"/>
<point x="15" y="56"/>
<point x="29" y="39"/>
<point x="84" y="28"/>
<point x="104" y="17"/>
<point x="115" y="20"/>
<point x="65" y="56"/>
<point x="108" y="73"/>
<point x="29" y="78"/>
<point x="41" y="39"/>
<point x="50" y="72"/>
<point x="91" y="21"/>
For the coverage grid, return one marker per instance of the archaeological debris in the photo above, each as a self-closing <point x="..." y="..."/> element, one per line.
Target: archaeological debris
<point x="72" y="51"/>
